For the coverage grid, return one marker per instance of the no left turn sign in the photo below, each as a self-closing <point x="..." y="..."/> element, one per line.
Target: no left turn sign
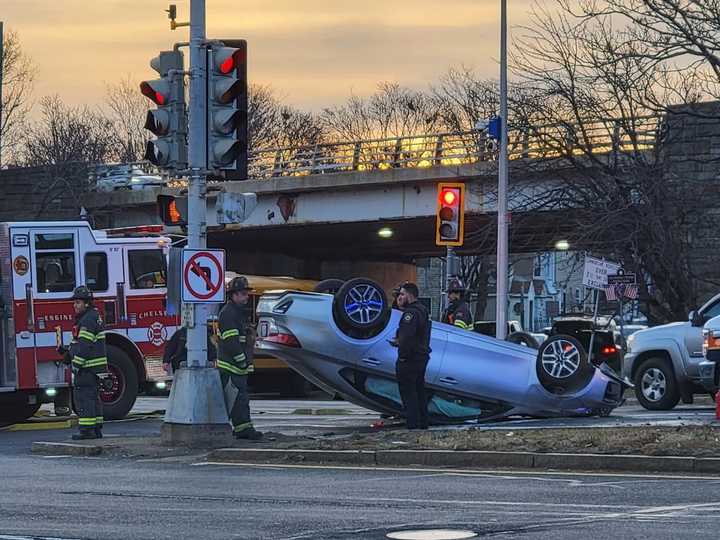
<point x="203" y="276"/>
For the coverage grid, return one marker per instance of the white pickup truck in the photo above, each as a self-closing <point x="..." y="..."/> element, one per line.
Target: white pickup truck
<point x="709" y="370"/>
<point x="666" y="362"/>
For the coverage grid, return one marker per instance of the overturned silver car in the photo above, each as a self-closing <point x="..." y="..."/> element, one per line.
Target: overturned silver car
<point x="340" y="342"/>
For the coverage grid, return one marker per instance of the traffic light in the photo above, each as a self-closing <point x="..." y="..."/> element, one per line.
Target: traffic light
<point x="227" y="108"/>
<point x="169" y="121"/>
<point x="172" y="210"/>
<point x="450" y="217"/>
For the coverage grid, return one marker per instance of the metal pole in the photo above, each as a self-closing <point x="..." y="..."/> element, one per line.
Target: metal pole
<point x="502" y="234"/>
<point x="595" y="316"/>
<point x="451" y="269"/>
<point x="2" y="73"/>
<point x="196" y="337"/>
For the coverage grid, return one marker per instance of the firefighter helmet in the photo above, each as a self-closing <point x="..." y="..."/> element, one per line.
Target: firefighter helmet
<point x="82" y="293"/>
<point x="456" y="285"/>
<point x="238" y="284"/>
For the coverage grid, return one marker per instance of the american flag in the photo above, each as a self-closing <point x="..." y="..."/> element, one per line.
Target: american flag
<point x="616" y="291"/>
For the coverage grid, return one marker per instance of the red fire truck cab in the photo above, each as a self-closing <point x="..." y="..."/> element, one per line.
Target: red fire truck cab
<point x="40" y="265"/>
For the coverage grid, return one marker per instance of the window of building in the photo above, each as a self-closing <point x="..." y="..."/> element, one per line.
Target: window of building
<point x="96" y="271"/>
<point x="148" y="269"/>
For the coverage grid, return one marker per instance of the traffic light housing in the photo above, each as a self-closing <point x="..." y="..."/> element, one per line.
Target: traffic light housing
<point x="169" y="121"/>
<point x="227" y="98"/>
<point x="450" y="216"/>
<point x="172" y="210"/>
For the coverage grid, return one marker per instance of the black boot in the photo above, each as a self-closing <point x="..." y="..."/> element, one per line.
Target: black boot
<point x="85" y="434"/>
<point x="250" y="434"/>
<point x="98" y="432"/>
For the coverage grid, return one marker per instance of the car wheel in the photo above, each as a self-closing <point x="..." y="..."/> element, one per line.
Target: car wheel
<point x="523" y="338"/>
<point x="329" y="286"/>
<point x="121" y="396"/>
<point x="655" y="385"/>
<point x="562" y="365"/>
<point x="360" y="308"/>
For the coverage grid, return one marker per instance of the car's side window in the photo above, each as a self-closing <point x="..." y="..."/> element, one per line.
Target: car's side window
<point x="712" y="311"/>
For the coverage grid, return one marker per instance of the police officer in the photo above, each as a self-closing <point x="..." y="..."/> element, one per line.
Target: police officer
<point x="413" y="343"/>
<point x="457" y="312"/>
<point x="88" y="357"/>
<point x="235" y="349"/>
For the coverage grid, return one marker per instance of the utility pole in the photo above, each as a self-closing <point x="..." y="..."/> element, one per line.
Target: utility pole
<point x="196" y="412"/>
<point x="502" y="205"/>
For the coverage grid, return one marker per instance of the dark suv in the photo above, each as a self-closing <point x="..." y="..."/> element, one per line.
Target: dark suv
<point x="606" y="346"/>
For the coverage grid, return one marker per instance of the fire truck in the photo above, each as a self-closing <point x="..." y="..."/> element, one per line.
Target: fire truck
<point x="40" y="265"/>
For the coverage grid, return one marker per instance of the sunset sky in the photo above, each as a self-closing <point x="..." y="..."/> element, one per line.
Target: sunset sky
<point x="314" y="52"/>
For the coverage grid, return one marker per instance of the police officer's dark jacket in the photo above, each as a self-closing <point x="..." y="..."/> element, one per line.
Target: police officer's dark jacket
<point x="234" y="327"/>
<point x="414" y="333"/>
<point x="458" y="314"/>
<point x="87" y="349"/>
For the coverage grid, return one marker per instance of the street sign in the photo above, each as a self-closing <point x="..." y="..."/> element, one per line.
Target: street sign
<point x="203" y="277"/>
<point x="621" y="285"/>
<point x="596" y="272"/>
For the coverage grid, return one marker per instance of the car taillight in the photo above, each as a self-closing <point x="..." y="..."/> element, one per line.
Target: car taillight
<point x="608" y="350"/>
<point x="283" y="338"/>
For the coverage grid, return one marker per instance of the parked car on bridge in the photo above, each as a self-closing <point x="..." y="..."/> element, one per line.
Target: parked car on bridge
<point x="664" y="361"/>
<point x="345" y="349"/>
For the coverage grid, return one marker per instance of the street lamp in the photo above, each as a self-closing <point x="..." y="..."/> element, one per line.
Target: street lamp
<point x="502" y="234"/>
<point x="562" y="245"/>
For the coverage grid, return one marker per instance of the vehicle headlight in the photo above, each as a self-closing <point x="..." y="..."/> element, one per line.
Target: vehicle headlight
<point x="630" y="342"/>
<point x="711" y="340"/>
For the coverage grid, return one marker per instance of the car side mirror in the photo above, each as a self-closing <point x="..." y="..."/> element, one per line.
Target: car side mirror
<point x="696" y="318"/>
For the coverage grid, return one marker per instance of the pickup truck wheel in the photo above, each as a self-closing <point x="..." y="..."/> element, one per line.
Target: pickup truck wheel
<point x="655" y="386"/>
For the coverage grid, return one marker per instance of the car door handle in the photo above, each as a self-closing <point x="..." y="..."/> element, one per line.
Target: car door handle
<point x="371" y="361"/>
<point x="448" y="380"/>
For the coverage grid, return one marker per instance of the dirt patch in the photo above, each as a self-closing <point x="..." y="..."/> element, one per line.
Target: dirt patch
<point x="695" y="441"/>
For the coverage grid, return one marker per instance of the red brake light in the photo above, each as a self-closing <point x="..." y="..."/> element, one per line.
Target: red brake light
<point x="608" y="349"/>
<point x="286" y="339"/>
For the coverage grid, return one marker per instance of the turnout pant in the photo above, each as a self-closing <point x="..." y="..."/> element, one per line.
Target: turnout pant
<point x="87" y="400"/>
<point x="411" y="381"/>
<point x="237" y="400"/>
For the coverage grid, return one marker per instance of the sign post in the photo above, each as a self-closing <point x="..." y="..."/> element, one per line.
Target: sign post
<point x="595" y="276"/>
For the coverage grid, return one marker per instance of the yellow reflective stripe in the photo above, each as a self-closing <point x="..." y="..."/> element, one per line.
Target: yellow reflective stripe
<point x="87" y="421"/>
<point x="94" y="362"/>
<point x="99" y="419"/>
<point x="462" y="325"/>
<point x="86" y="334"/>
<point x="234" y="369"/>
<point x="230" y="333"/>
<point x="239" y="357"/>
<point x="242" y="339"/>
<point x="78" y="361"/>
<point x="101" y="335"/>
<point x="242" y="427"/>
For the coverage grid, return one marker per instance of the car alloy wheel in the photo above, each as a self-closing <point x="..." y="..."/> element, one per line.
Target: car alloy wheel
<point x="363" y="304"/>
<point x="653" y="384"/>
<point x="561" y="359"/>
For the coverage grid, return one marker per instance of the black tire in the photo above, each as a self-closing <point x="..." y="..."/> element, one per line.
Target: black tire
<point x="562" y="365"/>
<point x="18" y="412"/>
<point x="329" y="286"/>
<point x="370" y="317"/>
<point x="523" y="338"/>
<point x="655" y="386"/>
<point x="117" y="403"/>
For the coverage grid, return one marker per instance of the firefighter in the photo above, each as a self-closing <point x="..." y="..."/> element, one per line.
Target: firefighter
<point x="413" y="343"/>
<point x="235" y="349"/>
<point x="457" y="312"/>
<point x="88" y="357"/>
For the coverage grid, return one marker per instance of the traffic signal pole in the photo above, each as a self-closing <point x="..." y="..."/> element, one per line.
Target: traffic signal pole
<point x="196" y="413"/>
<point x="502" y="205"/>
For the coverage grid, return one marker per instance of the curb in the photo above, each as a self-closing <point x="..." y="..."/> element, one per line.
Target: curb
<point x="65" y="449"/>
<point x="472" y="459"/>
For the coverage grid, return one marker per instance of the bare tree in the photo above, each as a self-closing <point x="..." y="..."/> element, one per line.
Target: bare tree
<point x="18" y="74"/>
<point x="621" y="186"/>
<point x="65" y="134"/>
<point x="126" y="111"/>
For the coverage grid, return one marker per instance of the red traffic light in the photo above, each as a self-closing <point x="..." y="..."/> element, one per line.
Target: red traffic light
<point x="448" y="197"/>
<point x="227" y="59"/>
<point x="157" y="91"/>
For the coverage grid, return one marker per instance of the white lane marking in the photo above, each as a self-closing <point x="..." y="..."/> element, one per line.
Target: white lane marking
<point x="11" y="537"/>
<point x="468" y="472"/>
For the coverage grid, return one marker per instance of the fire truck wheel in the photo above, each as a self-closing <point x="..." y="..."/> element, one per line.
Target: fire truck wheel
<point x="121" y="397"/>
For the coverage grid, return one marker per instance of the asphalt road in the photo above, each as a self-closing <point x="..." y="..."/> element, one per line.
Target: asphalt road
<point x="85" y="498"/>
